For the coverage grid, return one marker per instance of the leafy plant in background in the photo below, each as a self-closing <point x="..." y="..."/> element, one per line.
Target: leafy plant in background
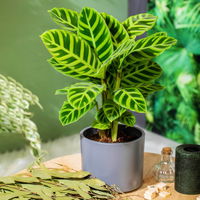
<point x="180" y="118"/>
<point x="14" y="116"/>
<point x="103" y="53"/>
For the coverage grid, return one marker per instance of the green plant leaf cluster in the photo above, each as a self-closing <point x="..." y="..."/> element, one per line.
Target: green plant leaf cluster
<point x="15" y="116"/>
<point x="106" y="55"/>
<point x="175" y="111"/>
<point x="54" y="184"/>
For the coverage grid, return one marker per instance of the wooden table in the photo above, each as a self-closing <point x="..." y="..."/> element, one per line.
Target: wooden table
<point x="74" y="163"/>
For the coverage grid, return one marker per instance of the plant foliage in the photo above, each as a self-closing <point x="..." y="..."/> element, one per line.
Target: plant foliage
<point x="15" y="101"/>
<point x="54" y="184"/>
<point x="104" y="53"/>
<point x="175" y="110"/>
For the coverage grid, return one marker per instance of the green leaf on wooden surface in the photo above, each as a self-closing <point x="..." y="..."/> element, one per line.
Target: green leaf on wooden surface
<point x="94" y="181"/>
<point x="22" y="179"/>
<point x="40" y="173"/>
<point x="77" y="175"/>
<point x="68" y="114"/>
<point x="130" y="98"/>
<point x="149" y="47"/>
<point x="138" y="24"/>
<point x="140" y="72"/>
<point x="7" y="196"/>
<point x="93" y="29"/>
<point x="112" y="110"/>
<point x="128" y="119"/>
<point x="82" y="94"/>
<point x="62" y="186"/>
<point x="117" y="30"/>
<point x="7" y="180"/>
<point x="72" y="52"/>
<point x="65" y="17"/>
<point x="102" y="193"/>
<point x="80" y="187"/>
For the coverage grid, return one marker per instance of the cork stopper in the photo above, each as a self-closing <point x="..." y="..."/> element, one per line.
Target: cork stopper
<point x="166" y="150"/>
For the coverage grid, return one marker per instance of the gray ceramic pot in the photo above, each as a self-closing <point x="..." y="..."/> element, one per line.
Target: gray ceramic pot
<point x="115" y="163"/>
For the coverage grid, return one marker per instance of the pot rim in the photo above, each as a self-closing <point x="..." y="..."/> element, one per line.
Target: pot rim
<point x="117" y="143"/>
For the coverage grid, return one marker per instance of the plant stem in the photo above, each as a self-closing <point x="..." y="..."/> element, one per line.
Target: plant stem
<point x="114" y="126"/>
<point x="114" y="130"/>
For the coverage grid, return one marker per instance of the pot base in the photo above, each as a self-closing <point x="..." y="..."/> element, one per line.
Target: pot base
<point x="118" y="164"/>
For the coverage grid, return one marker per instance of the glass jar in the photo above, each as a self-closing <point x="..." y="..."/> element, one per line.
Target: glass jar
<point x="164" y="170"/>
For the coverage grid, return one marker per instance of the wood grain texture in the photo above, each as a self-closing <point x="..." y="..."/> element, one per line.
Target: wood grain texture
<point x="73" y="163"/>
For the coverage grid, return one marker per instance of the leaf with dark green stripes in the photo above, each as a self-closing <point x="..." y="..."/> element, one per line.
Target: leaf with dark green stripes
<point x="81" y="94"/>
<point x="119" y="54"/>
<point x="128" y="119"/>
<point x="101" y="126"/>
<point x="93" y="29"/>
<point x="117" y="30"/>
<point x="149" y="47"/>
<point x="62" y="91"/>
<point x="147" y="89"/>
<point x="130" y="98"/>
<point x="140" y="72"/>
<point x="65" y="17"/>
<point x="68" y="71"/>
<point x="110" y="80"/>
<point x="138" y="24"/>
<point x="112" y="110"/>
<point x="101" y="117"/>
<point x="69" y="114"/>
<point x="71" y="52"/>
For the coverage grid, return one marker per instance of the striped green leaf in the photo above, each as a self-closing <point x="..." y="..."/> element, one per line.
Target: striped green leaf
<point x="112" y="110"/>
<point x="62" y="91"/>
<point x="149" y="47"/>
<point x="101" y="117"/>
<point x="100" y="126"/>
<point x="138" y="24"/>
<point x="65" y="17"/>
<point x="110" y="80"/>
<point x="93" y="29"/>
<point x="128" y="119"/>
<point x="71" y="51"/>
<point x="67" y="70"/>
<point x="69" y="114"/>
<point x="81" y="94"/>
<point x="119" y="54"/>
<point x="117" y="30"/>
<point x="141" y="72"/>
<point x="130" y="98"/>
<point x="147" y="89"/>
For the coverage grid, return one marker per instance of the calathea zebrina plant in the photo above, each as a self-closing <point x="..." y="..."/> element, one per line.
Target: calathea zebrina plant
<point x="105" y="56"/>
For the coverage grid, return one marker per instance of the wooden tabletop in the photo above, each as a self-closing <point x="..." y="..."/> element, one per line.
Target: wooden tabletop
<point x="150" y="159"/>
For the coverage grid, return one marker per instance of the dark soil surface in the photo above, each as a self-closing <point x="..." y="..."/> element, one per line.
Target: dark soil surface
<point x="122" y="137"/>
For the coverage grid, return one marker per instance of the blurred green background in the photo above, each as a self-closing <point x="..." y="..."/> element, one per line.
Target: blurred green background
<point x="23" y="57"/>
<point x="175" y="111"/>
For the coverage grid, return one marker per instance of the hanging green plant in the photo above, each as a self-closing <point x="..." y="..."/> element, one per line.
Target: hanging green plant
<point x="15" y="118"/>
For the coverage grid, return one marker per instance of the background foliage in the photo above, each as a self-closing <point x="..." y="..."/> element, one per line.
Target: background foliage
<point x="15" y="117"/>
<point x="175" y="111"/>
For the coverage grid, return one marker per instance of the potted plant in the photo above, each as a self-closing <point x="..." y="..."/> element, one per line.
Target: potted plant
<point x="105" y="56"/>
